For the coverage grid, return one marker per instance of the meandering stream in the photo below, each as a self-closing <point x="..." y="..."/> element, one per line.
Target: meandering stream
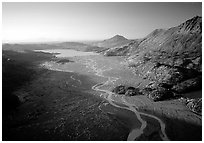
<point x="135" y="133"/>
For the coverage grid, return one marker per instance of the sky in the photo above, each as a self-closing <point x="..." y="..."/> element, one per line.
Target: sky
<point x="44" y="22"/>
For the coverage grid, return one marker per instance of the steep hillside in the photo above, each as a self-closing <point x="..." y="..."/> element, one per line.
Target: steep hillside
<point x="171" y="60"/>
<point x="182" y="40"/>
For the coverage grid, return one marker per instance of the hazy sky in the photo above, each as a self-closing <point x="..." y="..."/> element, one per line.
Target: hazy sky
<point x="31" y="22"/>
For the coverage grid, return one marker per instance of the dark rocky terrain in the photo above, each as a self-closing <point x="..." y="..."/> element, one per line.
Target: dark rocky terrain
<point x="127" y="91"/>
<point x="195" y="105"/>
<point x="171" y="60"/>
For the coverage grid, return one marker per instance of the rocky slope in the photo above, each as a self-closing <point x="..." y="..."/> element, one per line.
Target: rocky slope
<point x="171" y="56"/>
<point x="171" y="60"/>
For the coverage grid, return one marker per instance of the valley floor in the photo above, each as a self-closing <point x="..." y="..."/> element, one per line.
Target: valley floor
<point x="72" y="101"/>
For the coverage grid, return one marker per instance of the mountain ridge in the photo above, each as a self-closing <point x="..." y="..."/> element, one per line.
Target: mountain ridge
<point x="168" y="60"/>
<point x="159" y="38"/>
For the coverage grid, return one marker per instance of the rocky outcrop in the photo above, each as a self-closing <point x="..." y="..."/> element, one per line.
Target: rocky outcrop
<point x="121" y="89"/>
<point x="188" y="85"/>
<point x="127" y="91"/>
<point x="132" y="91"/>
<point x="160" y="94"/>
<point x="195" y="105"/>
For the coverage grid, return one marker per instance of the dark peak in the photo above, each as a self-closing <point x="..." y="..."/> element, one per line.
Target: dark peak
<point x="118" y="37"/>
<point x="195" y="19"/>
<point x="194" y="24"/>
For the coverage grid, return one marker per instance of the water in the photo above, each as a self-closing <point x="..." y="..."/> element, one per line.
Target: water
<point x="62" y="53"/>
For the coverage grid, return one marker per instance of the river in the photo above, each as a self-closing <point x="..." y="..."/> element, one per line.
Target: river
<point x="135" y="133"/>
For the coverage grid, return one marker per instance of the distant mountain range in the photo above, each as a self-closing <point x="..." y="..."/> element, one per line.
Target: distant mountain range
<point x="61" y="45"/>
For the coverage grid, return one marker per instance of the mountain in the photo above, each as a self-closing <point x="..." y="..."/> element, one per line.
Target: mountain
<point x="168" y="58"/>
<point x="113" y="42"/>
<point x="176" y="39"/>
<point x="171" y="45"/>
